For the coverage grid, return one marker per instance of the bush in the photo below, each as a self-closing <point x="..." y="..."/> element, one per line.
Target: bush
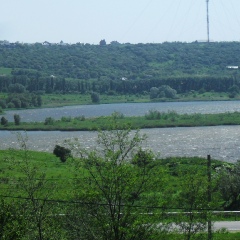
<point x="66" y="119"/>
<point x="4" y="121"/>
<point x="95" y="97"/>
<point x="16" y="88"/>
<point x="153" y="114"/>
<point x="3" y="104"/>
<point x="62" y="152"/>
<point x="10" y="105"/>
<point x="117" y="115"/>
<point x="82" y="118"/>
<point x="17" y="102"/>
<point x="49" y="121"/>
<point x="162" y="92"/>
<point x="16" y="119"/>
<point x="154" y="92"/>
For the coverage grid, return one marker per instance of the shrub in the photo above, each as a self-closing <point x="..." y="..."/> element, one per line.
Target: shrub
<point x="16" y="88"/>
<point x="4" y="121"/>
<point x="66" y="119"/>
<point x="80" y="118"/>
<point x="62" y="152"/>
<point x="3" y="104"/>
<point x="154" y="92"/>
<point x="117" y="115"/>
<point x="17" y="102"/>
<point x="162" y="92"/>
<point x="17" y="119"/>
<point x="49" y="121"/>
<point x="10" y="105"/>
<point x="153" y="114"/>
<point x="95" y="97"/>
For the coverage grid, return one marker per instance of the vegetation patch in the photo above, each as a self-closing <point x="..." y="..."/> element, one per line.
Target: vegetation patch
<point x="152" y="119"/>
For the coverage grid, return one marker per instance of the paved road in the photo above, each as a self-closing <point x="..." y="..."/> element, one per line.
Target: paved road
<point x="232" y="226"/>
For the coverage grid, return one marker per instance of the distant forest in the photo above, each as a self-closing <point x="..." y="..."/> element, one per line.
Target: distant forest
<point x="119" y="68"/>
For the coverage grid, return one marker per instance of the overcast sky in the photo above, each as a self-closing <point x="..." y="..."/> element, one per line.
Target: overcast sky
<point x="134" y="21"/>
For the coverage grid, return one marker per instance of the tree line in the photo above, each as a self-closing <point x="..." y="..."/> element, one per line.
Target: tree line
<point x="120" y="68"/>
<point x="141" y="86"/>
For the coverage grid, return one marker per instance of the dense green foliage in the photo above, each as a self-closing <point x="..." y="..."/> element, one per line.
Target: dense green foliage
<point x="21" y="100"/>
<point x="116" y="190"/>
<point x="120" y="68"/>
<point x="61" y="152"/>
<point x="112" y="193"/>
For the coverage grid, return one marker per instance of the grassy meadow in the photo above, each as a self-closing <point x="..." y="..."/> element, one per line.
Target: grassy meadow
<point x="153" y="119"/>
<point x="19" y="166"/>
<point x="5" y="71"/>
<point x="57" y="100"/>
<point x="13" y="165"/>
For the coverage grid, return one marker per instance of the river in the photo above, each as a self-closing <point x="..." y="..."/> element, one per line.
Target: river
<point x="221" y="142"/>
<point x="128" y="109"/>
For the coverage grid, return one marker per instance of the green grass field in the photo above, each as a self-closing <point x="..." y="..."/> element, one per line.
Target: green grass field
<point x="56" y="100"/>
<point x="5" y="71"/>
<point x="153" y="119"/>
<point x="14" y="162"/>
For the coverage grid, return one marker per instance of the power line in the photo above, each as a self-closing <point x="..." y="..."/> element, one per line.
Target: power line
<point x="107" y="204"/>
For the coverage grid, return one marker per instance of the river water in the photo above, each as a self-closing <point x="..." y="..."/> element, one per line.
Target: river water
<point x="221" y="142"/>
<point x="128" y="109"/>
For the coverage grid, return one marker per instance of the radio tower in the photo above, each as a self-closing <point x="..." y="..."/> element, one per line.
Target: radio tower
<point x="207" y="21"/>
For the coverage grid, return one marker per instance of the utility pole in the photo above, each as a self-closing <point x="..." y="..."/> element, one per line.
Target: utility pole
<point x="209" y="168"/>
<point x="207" y="1"/>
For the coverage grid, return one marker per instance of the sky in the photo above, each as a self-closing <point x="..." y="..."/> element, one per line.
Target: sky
<point x="133" y="21"/>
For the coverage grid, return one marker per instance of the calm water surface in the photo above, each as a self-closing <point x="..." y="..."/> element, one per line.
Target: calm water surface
<point x="128" y="109"/>
<point x="221" y="142"/>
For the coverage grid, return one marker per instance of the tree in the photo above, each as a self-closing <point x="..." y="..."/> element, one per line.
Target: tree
<point x="62" y="152"/>
<point x="154" y="92"/>
<point x="33" y="190"/>
<point x="10" y="105"/>
<point x="95" y="97"/>
<point x="192" y="199"/>
<point x="39" y="101"/>
<point x="4" y="121"/>
<point x="17" y="119"/>
<point x="119" y="175"/>
<point x="102" y="42"/>
<point x="17" y="102"/>
<point x="11" y="220"/>
<point x="233" y="91"/>
<point x="3" y="104"/>
<point x="16" y="88"/>
<point x="167" y="91"/>
<point x="229" y="186"/>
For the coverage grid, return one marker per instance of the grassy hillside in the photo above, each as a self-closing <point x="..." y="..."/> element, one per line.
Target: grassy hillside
<point x="120" y="68"/>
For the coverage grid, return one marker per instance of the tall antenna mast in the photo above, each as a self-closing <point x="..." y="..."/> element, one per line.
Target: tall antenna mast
<point x="207" y="21"/>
